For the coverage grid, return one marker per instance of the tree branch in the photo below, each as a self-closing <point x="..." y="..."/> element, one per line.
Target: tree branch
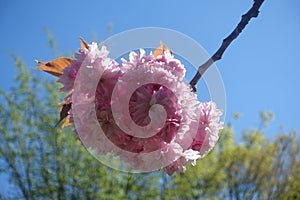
<point x="252" y="13"/>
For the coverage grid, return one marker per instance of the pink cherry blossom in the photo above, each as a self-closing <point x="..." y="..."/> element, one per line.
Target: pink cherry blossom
<point x="143" y="107"/>
<point x="209" y="126"/>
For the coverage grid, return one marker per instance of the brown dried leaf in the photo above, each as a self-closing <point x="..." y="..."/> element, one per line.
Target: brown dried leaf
<point x="83" y="44"/>
<point x="54" y="67"/>
<point x="64" y="113"/>
<point x="161" y="50"/>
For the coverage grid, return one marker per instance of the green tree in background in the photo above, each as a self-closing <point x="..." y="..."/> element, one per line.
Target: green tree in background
<point x="256" y="168"/>
<point x="42" y="162"/>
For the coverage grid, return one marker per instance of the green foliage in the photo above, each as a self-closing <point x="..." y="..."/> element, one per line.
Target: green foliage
<point x="43" y="162"/>
<point x="256" y="168"/>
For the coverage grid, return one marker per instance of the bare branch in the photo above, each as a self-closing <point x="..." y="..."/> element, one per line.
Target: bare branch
<point x="252" y="13"/>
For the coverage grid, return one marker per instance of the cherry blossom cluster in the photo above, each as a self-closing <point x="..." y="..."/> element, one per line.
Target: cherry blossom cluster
<point x="140" y="110"/>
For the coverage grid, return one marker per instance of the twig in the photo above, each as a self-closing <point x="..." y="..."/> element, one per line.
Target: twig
<point x="252" y="13"/>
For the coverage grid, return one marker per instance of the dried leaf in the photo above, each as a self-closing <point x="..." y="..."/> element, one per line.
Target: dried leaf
<point x="54" y="67"/>
<point x="64" y="113"/>
<point x="83" y="44"/>
<point x="67" y="122"/>
<point x="161" y="50"/>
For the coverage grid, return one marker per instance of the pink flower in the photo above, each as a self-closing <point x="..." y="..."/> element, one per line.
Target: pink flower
<point x="84" y="57"/>
<point x="188" y="156"/>
<point x="144" y="112"/>
<point x="209" y="126"/>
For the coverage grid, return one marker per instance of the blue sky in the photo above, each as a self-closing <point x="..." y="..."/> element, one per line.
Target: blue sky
<point x="260" y="69"/>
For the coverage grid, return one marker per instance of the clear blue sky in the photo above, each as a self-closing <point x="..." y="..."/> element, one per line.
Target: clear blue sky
<point x="260" y="69"/>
